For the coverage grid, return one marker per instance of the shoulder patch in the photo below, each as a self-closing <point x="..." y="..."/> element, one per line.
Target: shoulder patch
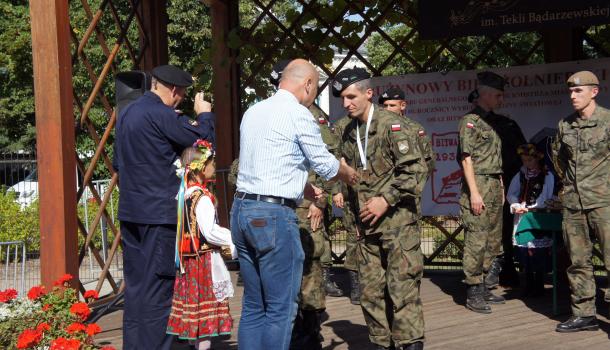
<point x="421" y="133"/>
<point x="403" y="146"/>
<point x="470" y="125"/>
<point x="395" y="127"/>
<point x="193" y="122"/>
<point x="322" y="120"/>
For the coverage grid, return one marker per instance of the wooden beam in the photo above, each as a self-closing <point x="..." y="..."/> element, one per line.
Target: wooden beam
<point x="55" y="139"/>
<point x="153" y="33"/>
<point x="226" y="92"/>
<point x="562" y="45"/>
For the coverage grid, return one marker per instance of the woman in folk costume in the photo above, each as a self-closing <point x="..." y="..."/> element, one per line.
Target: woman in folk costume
<point x="531" y="188"/>
<point x="200" y="307"/>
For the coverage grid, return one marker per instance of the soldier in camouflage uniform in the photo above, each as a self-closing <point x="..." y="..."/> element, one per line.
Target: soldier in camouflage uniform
<point x="480" y="156"/>
<point x="581" y="155"/>
<point x="388" y="157"/>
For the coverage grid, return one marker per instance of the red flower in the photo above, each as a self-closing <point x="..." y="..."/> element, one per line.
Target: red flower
<point x="75" y="327"/>
<point x="91" y="294"/>
<point x="28" y="338"/>
<point x="81" y="310"/>
<point x="65" y="344"/>
<point x="93" y="329"/>
<point x="63" y="280"/>
<point x="7" y="295"/>
<point x="36" y="292"/>
<point x="46" y="307"/>
<point x="43" y="327"/>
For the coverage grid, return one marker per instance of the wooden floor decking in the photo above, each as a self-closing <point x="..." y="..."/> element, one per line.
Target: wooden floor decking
<point x="518" y="324"/>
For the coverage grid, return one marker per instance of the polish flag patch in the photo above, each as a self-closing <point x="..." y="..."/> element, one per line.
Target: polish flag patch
<point x="395" y="127"/>
<point x="470" y="125"/>
<point x="321" y="120"/>
<point x="421" y="133"/>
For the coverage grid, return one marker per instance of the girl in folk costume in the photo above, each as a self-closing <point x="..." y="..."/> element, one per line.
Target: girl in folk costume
<point x="530" y="189"/>
<point x="200" y="308"/>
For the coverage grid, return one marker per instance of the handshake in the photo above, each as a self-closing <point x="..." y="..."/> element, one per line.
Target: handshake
<point x="346" y="174"/>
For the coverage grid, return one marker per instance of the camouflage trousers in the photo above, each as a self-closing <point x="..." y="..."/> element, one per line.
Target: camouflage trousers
<point x="390" y="267"/>
<point x="482" y="233"/>
<point x="576" y="225"/>
<point x="316" y="247"/>
<point x="351" y="241"/>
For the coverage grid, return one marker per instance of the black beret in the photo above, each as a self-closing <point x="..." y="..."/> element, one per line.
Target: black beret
<point x="172" y="75"/>
<point x="392" y="93"/>
<point x="473" y="95"/>
<point x="347" y="77"/>
<point x="491" y="79"/>
<point x="276" y="73"/>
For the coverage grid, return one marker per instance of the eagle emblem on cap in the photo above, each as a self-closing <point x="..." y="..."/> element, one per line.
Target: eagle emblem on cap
<point x="337" y="85"/>
<point x="274" y="75"/>
<point x="385" y="95"/>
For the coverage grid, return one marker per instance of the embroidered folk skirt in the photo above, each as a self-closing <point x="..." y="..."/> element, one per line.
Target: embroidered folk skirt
<point x="195" y="311"/>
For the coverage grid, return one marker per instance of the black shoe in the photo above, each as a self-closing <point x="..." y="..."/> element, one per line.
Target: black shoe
<point x="492" y="279"/>
<point x="489" y="297"/>
<point x="354" y="283"/>
<point x="575" y="324"/>
<point x="414" y="346"/>
<point x="475" y="301"/>
<point x="331" y="288"/>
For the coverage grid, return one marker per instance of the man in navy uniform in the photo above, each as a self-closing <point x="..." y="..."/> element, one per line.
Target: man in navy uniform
<point x="150" y="136"/>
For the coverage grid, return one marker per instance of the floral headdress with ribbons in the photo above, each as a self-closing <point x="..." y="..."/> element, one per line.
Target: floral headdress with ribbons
<point x="207" y="152"/>
<point x="529" y="149"/>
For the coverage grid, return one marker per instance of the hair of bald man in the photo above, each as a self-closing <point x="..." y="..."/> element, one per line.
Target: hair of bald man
<point x="298" y="70"/>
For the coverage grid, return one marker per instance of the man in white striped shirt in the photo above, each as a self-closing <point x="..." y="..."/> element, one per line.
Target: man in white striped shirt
<point x="280" y="142"/>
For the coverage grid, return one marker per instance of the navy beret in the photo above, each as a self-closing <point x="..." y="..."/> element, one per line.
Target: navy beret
<point x="276" y="73"/>
<point x="393" y="93"/>
<point x="172" y="75"/>
<point x="491" y="79"/>
<point x="347" y="77"/>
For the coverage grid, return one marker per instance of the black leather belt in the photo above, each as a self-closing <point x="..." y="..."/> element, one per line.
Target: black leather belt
<point x="269" y="199"/>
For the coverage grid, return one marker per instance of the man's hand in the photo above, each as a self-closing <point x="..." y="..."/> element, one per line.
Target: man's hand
<point x="346" y="173"/>
<point x="373" y="209"/>
<point x="476" y="203"/>
<point x="201" y="105"/>
<point x="315" y="216"/>
<point x="338" y="200"/>
<point x="312" y="193"/>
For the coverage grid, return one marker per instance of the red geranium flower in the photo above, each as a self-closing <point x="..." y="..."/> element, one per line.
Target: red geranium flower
<point x="91" y="294"/>
<point x="28" y="338"/>
<point x="75" y="327"/>
<point x="93" y="329"/>
<point x="108" y="347"/>
<point x="63" y="280"/>
<point x="65" y="344"/>
<point x="8" y="295"/>
<point x="43" y="327"/>
<point x="36" y="292"/>
<point x="46" y="307"/>
<point x="81" y="310"/>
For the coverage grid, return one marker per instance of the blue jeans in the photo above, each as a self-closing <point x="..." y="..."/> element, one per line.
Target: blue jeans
<point x="271" y="262"/>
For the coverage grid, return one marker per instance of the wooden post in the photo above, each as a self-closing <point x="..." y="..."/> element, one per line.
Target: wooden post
<point x="562" y="45"/>
<point x="55" y="139"/>
<point x="226" y="93"/>
<point x="154" y="36"/>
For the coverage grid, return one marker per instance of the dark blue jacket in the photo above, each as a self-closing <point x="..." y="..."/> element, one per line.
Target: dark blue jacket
<point x="150" y="136"/>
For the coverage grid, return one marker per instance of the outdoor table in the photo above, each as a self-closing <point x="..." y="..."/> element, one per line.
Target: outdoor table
<point x="547" y="220"/>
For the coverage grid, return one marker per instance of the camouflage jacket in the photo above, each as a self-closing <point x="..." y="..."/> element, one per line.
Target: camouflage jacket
<point x="426" y="146"/>
<point x="395" y="162"/>
<point x="581" y="153"/>
<point x="479" y="140"/>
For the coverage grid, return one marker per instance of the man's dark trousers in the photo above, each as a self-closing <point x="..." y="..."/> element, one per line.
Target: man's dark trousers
<point x="148" y="258"/>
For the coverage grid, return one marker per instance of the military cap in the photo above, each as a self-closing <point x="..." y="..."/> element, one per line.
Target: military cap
<point x="473" y="95"/>
<point x="393" y="93"/>
<point x="172" y="75"/>
<point x="582" y="78"/>
<point x="276" y="73"/>
<point x="491" y="79"/>
<point x="347" y="77"/>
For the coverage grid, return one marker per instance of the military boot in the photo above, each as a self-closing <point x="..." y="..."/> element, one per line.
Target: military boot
<point x="418" y="345"/>
<point x="575" y="324"/>
<point x="331" y="288"/>
<point x="475" y="301"/>
<point x="489" y="297"/>
<point x="354" y="284"/>
<point x="492" y="279"/>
